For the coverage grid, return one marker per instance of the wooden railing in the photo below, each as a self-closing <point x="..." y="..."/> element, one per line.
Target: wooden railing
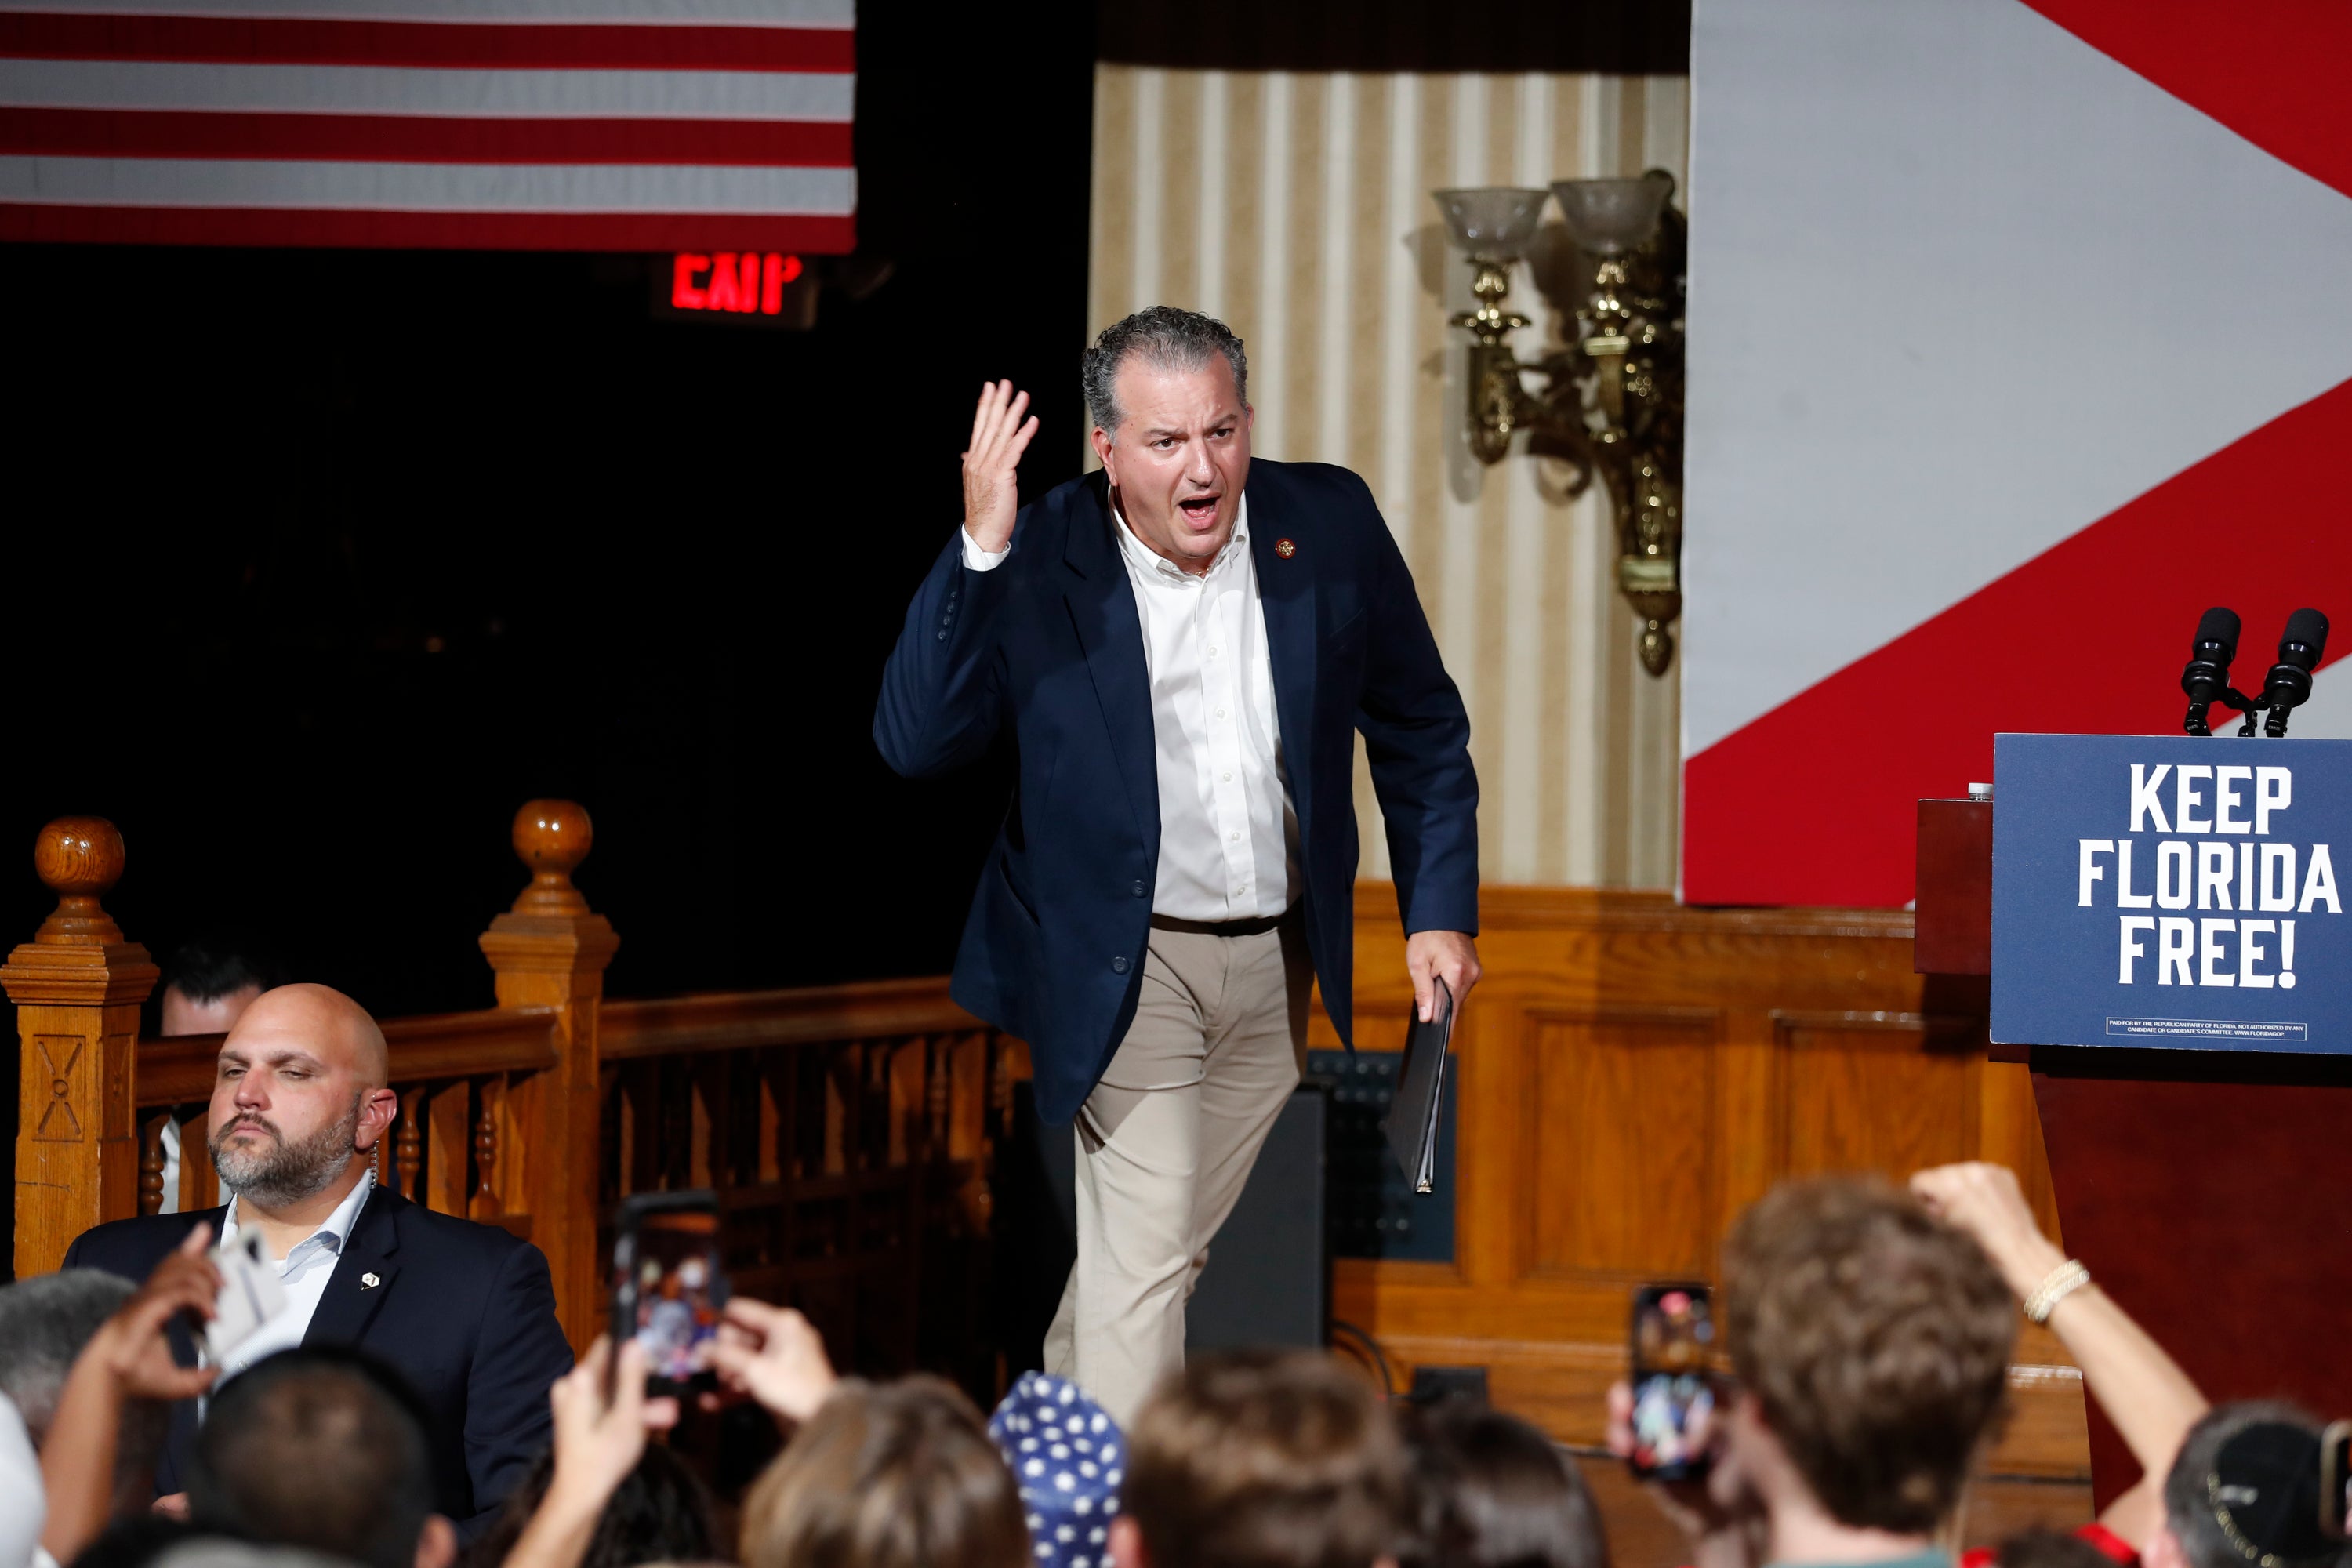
<point x="850" y="1129"/>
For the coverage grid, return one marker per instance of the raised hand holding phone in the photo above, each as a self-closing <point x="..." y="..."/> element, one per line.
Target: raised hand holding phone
<point x="127" y="1358"/>
<point x="776" y="1356"/>
<point x="601" y="1417"/>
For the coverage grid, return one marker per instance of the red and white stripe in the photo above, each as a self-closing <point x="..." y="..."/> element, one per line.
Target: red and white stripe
<point x="505" y="124"/>
<point x="2020" y="335"/>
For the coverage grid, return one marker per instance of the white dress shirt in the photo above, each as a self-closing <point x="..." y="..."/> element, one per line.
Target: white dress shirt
<point x="304" y="1272"/>
<point x="1228" y="834"/>
<point x="24" y="1506"/>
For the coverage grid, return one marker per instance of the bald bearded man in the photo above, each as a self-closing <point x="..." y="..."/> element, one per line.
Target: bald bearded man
<point x="466" y="1311"/>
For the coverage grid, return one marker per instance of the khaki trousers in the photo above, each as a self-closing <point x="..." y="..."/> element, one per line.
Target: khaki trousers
<point x="1165" y="1143"/>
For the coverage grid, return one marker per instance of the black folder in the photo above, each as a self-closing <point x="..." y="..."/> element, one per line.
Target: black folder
<point x="1412" y="1123"/>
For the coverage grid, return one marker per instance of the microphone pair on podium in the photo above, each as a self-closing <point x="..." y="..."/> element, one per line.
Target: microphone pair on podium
<point x="2288" y="684"/>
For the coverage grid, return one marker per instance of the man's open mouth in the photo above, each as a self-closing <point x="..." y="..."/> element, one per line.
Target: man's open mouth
<point x="1199" y="511"/>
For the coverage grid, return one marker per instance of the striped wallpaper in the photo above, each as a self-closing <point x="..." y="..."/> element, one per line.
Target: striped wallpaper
<point x="1296" y="207"/>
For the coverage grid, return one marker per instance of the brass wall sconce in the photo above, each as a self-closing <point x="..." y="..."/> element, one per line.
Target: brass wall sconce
<point x="1612" y="397"/>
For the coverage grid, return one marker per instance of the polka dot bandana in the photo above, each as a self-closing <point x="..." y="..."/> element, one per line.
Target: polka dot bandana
<point x="1069" y="1458"/>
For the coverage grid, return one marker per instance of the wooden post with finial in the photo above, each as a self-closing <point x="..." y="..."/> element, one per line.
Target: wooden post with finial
<point x="550" y="950"/>
<point x="78" y="986"/>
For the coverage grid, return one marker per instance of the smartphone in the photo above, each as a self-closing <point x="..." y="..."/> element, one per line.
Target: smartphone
<point x="251" y="1294"/>
<point x="668" y="1287"/>
<point x="2336" y="1477"/>
<point x="1673" y="1391"/>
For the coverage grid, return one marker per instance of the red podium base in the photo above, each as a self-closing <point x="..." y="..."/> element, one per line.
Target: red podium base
<point x="2207" y="1191"/>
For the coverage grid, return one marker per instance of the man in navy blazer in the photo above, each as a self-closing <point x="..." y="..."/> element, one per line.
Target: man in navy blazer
<point x="1183" y="648"/>
<point x="466" y="1311"/>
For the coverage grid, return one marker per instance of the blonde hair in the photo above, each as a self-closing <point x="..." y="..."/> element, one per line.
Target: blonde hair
<point x="898" y="1475"/>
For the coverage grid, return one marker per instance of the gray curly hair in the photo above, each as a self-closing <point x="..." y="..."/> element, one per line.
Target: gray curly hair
<point x="1169" y="337"/>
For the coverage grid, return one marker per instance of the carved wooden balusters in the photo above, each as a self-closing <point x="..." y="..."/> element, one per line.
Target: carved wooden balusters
<point x="77" y="985"/>
<point x="851" y="1131"/>
<point x="173" y="1089"/>
<point x="151" y="1164"/>
<point x="491" y="1095"/>
<point x="154" y="1159"/>
<point x="446" y="1144"/>
<point x="450" y="1147"/>
<point x="408" y="1158"/>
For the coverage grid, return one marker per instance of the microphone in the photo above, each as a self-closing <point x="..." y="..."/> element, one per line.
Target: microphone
<point x="2288" y="684"/>
<point x="2208" y="675"/>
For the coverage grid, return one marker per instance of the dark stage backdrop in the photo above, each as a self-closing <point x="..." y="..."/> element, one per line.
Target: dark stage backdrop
<point x="321" y="562"/>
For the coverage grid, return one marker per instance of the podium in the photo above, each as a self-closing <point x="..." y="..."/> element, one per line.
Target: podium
<point x="2205" y="1185"/>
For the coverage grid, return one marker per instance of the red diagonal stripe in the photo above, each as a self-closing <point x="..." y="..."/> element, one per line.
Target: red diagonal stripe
<point x="422" y="139"/>
<point x="829" y="236"/>
<point x="2271" y="71"/>
<point x="43" y="35"/>
<point x="1814" y="802"/>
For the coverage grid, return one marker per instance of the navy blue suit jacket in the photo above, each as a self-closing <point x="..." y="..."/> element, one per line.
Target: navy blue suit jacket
<point x="1049" y="644"/>
<point x="466" y="1311"/>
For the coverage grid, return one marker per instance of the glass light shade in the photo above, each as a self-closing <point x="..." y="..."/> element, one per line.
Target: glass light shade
<point x="1608" y="217"/>
<point x="1494" y="220"/>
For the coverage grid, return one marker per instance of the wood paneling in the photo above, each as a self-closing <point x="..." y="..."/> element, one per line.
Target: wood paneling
<point x="1621" y="1115"/>
<point x="1632" y="1074"/>
<point x="1875" y="1092"/>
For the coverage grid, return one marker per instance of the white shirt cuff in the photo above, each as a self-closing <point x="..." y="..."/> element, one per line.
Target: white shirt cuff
<point x="975" y="559"/>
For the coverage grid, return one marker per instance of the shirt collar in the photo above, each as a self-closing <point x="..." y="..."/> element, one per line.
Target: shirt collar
<point x="332" y="1232"/>
<point x="1143" y="558"/>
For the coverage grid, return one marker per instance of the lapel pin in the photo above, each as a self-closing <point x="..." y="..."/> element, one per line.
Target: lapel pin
<point x="1285" y="548"/>
<point x="369" y="1281"/>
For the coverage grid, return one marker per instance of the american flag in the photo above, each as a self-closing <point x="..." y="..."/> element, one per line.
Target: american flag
<point x="498" y="124"/>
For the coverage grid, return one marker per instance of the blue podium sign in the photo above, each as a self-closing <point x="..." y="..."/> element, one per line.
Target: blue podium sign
<point x="2169" y="890"/>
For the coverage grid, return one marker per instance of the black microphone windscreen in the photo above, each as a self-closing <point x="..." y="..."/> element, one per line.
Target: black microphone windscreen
<point x="2307" y="629"/>
<point x="2218" y="625"/>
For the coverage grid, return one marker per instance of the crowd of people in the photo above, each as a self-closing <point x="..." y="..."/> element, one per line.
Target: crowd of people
<point x="319" y="1372"/>
<point x="1870" y="1333"/>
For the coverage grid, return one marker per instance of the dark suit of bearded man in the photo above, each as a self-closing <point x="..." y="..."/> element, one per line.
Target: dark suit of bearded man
<point x="464" y="1312"/>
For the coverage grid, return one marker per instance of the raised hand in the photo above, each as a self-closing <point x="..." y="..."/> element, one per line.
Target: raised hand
<point x="127" y="1358"/>
<point x="1720" y="1513"/>
<point x="991" y="486"/>
<point x="131" y="1344"/>
<point x="775" y="1355"/>
<point x="597" y="1445"/>
<point x="1985" y="1201"/>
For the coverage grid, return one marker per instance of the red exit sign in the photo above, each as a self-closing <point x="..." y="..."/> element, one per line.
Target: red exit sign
<point x="742" y="283"/>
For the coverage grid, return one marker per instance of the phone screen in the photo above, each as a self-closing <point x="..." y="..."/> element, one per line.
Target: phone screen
<point x="1673" y="1392"/>
<point x="668" y="1287"/>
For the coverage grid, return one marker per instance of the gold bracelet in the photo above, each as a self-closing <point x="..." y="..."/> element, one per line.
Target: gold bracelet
<point x="2062" y="1282"/>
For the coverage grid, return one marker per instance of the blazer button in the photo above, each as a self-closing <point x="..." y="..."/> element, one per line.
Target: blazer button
<point x="1139" y="889"/>
<point x="1118" y="966"/>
